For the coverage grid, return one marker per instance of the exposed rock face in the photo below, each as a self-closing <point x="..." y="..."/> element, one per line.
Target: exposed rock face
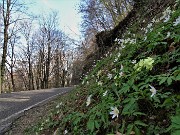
<point x="105" y="39"/>
<point x="150" y="7"/>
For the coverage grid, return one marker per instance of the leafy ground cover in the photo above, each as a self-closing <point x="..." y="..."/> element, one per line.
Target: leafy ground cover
<point x="133" y="90"/>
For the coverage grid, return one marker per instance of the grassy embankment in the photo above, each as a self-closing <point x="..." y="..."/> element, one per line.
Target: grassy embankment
<point x="133" y="90"/>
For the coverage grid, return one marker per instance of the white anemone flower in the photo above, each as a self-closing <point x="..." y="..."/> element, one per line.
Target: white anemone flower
<point x="166" y="14"/>
<point x="47" y="120"/>
<point x="146" y="30"/>
<point x="109" y="76"/>
<point x="58" y="106"/>
<point x="145" y="38"/>
<point x="153" y="20"/>
<point x="121" y="74"/>
<point x="133" y="41"/>
<point x="105" y="93"/>
<point x="123" y="46"/>
<point x="177" y="21"/>
<point x="133" y="62"/>
<point x="153" y="90"/>
<point x="116" y="59"/>
<point x="100" y="83"/>
<point x="114" y="112"/>
<point x="121" y="67"/>
<point x="88" y="100"/>
<point x="166" y="19"/>
<point x="149" y="25"/>
<point x="119" y="54"/>
<point x="87" y="82"/>
<point x="65" y="132"/>
<point x="99" y="73"/>
<point x="168" y="35"/>
<point x="82" y="82"/>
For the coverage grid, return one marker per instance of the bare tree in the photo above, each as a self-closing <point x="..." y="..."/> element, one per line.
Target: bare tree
<point x="43" y="59"/>
<point x="10" y="15"/>
<point x="117" y="9"/>
<point x="26" y="30"/>
<point x="12" y="59"/>
<point x="102" y="15"/>
<point x="46" y="41"/>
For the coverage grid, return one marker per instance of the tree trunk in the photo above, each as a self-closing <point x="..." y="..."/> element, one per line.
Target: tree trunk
<point x="12" y="80"/>
<point x="6" y="16"/>
<point x="48" y="62"/>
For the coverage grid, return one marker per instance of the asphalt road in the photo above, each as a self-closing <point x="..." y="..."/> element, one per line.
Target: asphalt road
<point x="14" y="104"/>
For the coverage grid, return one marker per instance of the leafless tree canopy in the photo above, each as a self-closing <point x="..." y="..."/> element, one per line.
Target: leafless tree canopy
<point x="36" y="54"/>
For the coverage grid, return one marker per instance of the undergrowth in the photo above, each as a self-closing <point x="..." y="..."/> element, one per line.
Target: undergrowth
<point x="134" y="90"/>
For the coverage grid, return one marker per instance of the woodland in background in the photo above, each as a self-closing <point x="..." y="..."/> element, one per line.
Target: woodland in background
<point x="37" y="54"/>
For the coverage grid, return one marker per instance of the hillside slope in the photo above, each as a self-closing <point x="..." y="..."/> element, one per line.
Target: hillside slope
<point x="133" y="90"/>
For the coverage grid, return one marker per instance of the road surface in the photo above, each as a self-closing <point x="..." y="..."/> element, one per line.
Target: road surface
<point x="14" y="104"/>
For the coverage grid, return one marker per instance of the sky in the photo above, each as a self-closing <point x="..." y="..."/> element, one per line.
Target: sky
<point x="69" y="19"/>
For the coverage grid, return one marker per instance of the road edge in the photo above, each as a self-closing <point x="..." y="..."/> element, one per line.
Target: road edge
<point x="17" y="115"/>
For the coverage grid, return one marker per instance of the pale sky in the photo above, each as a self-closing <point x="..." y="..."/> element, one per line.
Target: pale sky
<point x="69" y="19"/>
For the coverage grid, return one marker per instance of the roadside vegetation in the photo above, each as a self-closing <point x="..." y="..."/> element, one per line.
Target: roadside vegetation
<point x="134" y="89"/>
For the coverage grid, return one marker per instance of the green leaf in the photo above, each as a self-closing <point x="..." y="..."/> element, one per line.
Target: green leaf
<point x="128" y="106"/>
<point x="178" y="77"/>
<point x="131" y="82"/>
<point x="75" y="128"/>
<point x="125" y="88"/>
<point x="138" y="122"/>
<point x="77" y="120"/>
<point x="123" y="126"/>
<point x="176" y="132"/>
<point x="135" y="87"/>
<point x="126" y="100"/>
<point x="90" y="125"/>
<point x="176" y="120"/>
<point x="175" y="125"/>
<point x="97" y="124"/>
<point x="162" y="80"/>
<point x="137" y="130"/>
<point x="138" y="113"/>
<point x="168" y="103"/>
<point x="169" y="80"/>
<point x="129" y="128"/>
